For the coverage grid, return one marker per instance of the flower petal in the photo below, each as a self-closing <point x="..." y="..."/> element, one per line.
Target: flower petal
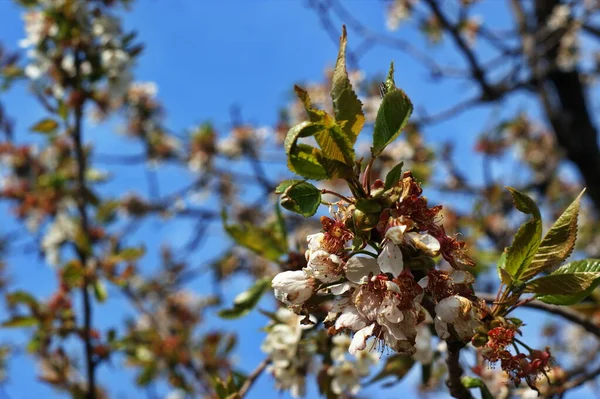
<point x="350" y="318"/>
<point x="425" y="242"/>
<point x="359" y="341"/>
<point x="359" y="267"/>
<point x="390" y="259"/>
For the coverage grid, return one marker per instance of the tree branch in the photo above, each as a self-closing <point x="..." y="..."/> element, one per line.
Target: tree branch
<point x="81" y="201"/>
<point x="455" y="371"/>
<point x="559" y="311"/>
<point x="253" y="376"/>
<point x="489" y="93"/>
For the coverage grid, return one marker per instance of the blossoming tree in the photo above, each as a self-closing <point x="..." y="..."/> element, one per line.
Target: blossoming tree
<point x="370" y="279"/>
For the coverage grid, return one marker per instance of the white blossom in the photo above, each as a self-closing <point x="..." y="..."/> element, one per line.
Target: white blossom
<point x="293" y="287"/>
<point x="63" y="228"/>
<point x="324" y="266"/>
<point x="345" y="378"/>
<point x="459" y="312"/>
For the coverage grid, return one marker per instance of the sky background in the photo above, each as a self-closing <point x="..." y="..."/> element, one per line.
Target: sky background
<point x="205" y="57"/>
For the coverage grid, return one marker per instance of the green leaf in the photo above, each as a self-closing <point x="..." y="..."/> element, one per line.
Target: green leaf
<point x="346" y="105"/>
<point x="263" y="240"/>
<point x="527" y="240"/>
<point x="563" y="284"/>
<point x="524" y="246"/>
<point x="72" y="274"/>
<point x="303" y="159"/>
<point x="335" y="144"/>
<point x="280" y="189"/>
<point x="395" y="366"/>
<point x="504" y="276"/>
<point x="393" y="176"/>
<point x="314" y="114"/>
<point x="45" y="126"/>
<point x="524" y="203"/>
<point x="391" y="118"/>
<point x="148" y="374"/>
<point x="107" y="210"/>
<point x="472" y="382"/>
<point x="389" y="83"/>
<point x="558" y="243"/>
<point x="588" y="266"/>
<point x="100" y="291"/>
<point x="129" y="254"/>
<point x="21" y="321"/>
<point x="22" y="297"/>
<point x="302" y="198"/>
<point x="247" y="300"/>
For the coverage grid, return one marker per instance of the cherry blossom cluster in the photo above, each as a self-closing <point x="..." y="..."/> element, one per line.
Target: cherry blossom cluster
<point x="375" y="289"/>
<point x="290" y="359"/>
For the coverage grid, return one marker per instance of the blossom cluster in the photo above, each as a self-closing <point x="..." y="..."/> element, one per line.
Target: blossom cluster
<point x="290" y="360"/>
<point x="380" y="295"/>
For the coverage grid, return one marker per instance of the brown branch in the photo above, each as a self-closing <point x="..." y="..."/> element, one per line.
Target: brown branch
<point x="455" y="371"/>
<point x="395" y="43"/>
<point x="578" y="381"/>
<point x="560" y="311"/>
<point x="81" y="201"/>
<point x="489" y="93"/>
<point x="253" y="376"/>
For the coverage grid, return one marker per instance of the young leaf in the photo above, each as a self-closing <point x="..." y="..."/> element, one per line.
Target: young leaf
<point x="393" y="176"/>
<point x="23" y="297"/>
<point x="247" y="300"/>
<point x="527" y="240"/>
<point x="558" y="243"/>
<point x="563" y="284"/>
<point x="311" y="162"/>
<point x="524" y="203"/>
<point x="335" y="145"/>
<point x="472" y="382"/>
<point x="396" y="366"/>
<point x="391" y="118"/>
<point x="581" y="266"/>
<point x="504" y="276"/>
<point x="100" y="291"/>
<point x="264" y="241"/>
<point x="302" y="198"/>
<point x="45" y="126"/>
<point x="346" y="105"/>
<point x="20" y="321"/>
<point x="524" y="246"/>
<point x="314" y="114"/>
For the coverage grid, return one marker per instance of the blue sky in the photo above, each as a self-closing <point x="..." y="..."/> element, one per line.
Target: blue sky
<point x="206" y="56"/>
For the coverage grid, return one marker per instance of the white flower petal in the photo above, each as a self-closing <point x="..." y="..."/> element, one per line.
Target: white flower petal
<point x="390" y="259"/>
<point x="358" y="267"/>
<point x="339" y="289"/>
<point x="425" y="242"/>
<point x="324" y="266"/>
<point x="462" y="277"/>
<point x="396" y="234"/>
<point x="359" y="341"/>
<point x="350" y="318"/>
<point x="292" y="287"/>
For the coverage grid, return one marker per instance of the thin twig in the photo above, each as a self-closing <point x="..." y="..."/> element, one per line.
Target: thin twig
<point x="560" y="311"/>
<point x="253" y="376"/>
